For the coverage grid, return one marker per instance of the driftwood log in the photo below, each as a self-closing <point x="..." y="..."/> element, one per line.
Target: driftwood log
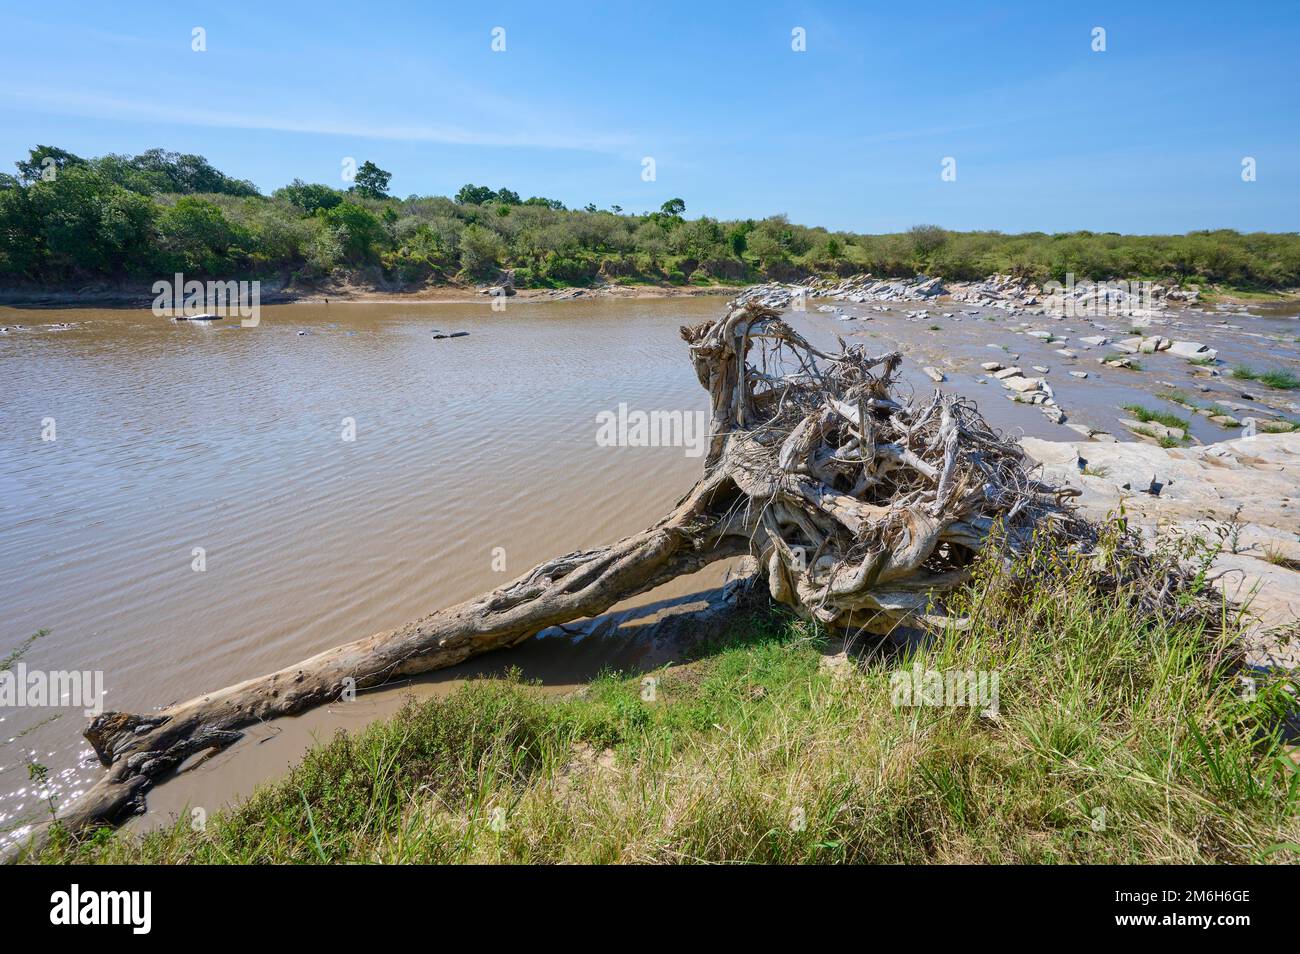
<point x="861" y="510"/>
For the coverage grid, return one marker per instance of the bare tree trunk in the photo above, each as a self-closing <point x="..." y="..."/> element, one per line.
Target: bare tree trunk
<point x="139" y="748"/>
<point x="861" y="511"/>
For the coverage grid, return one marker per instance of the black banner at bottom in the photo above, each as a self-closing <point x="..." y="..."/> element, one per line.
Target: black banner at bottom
<point x="334" y="904"/>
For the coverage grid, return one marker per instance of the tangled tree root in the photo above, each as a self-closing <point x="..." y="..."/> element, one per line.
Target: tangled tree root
<point x="862" y="511"/>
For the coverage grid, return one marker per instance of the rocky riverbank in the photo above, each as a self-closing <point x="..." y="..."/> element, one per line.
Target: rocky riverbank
<point x="1126" y="359"/>
<point x="1243" y="496"/>
<point x="1007" y="293"/>
<point x="1015" y="296"/>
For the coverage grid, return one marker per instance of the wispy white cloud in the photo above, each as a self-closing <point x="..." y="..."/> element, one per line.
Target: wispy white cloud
<point x="901" y="135"/>
<point x="70" y="103"/>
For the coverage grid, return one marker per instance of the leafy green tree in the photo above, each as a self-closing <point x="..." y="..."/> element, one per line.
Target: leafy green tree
<point x="471" y="194"/>
<point x="701" y="238"/>
<point x="737" y="240"/>
<point x="309" y="196"/>
<point x="274" y="240"/>
<point x="766" y="248"/>
<point x="77" y="224"/>
<point x="123" y="215"/>
<point x="554" y="205"/>
<point x="481" y="251"/>
<point x="22" y="251"/>
<point x="652" y="241"/>
<point x="927" y="239"/>
<point x="325" y="249"/>
<point x="358" y="231"/>
<point x="123" y="171"/>
<point x="371" y="181"/>
<point x="187" y="174"/>
<point x="199" y="235"/>
<point x="43" y="158"/>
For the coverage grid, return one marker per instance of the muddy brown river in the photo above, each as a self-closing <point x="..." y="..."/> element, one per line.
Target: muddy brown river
<point x="217" y="502"/>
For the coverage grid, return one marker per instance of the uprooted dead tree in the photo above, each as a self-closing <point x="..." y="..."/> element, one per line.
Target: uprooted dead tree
<point x="862" y="511"/>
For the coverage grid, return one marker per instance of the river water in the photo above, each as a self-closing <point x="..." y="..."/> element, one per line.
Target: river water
<point x="218" y="502"/>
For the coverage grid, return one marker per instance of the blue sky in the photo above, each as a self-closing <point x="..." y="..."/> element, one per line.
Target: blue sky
<point x="1147" y="136"/>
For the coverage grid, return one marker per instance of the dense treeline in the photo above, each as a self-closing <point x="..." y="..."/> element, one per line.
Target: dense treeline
<point x="68" y="219"/>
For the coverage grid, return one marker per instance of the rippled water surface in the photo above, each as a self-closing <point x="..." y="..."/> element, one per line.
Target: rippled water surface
<point x="172" y="436"/>
<point x="176" y="436"/>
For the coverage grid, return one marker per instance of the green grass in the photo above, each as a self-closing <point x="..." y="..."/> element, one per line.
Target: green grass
<point x="1226" y="291"/>
<point x="1121" y="736"/>
<point x="1277" y="556"/>
<point x="20" y="650"/>
<point x="1131" y="365"/>
<point x="1278" y="378"/>
<point x="1175" y="396"/>
<point x="1146" y="415"/>
<point x="1282" y="426"/>
<point x="1183" y="399"/>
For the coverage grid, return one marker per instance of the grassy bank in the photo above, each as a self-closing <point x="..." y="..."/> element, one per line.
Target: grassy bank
<point x="1120" y="736"/>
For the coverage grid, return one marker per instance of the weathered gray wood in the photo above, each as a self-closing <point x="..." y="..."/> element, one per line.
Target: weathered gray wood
<point x="861" y="511"/>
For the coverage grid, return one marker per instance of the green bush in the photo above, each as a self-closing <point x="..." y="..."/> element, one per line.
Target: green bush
<point x="569" y="269"/>
<point x="65" y="218"/>
<point x="481" y="251"/>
